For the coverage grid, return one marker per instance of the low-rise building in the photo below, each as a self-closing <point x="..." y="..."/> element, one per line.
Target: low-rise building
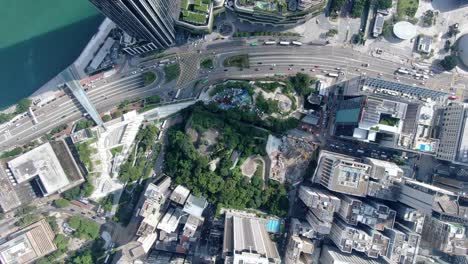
<point x="246" y="240"/>
<point x="155" y="197"/>
<point x="28" y="244"/>
<point x="195" y="206"/>
<point x="424" y="44"/>
<point x="180" y="195"/>
<point x="378" y="25"/>
<point x="38" y="173"/>
<point x="170" y="220"/>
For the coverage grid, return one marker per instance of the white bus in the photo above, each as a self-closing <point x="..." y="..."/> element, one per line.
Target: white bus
<point x="163" y="124"/>
<point x="284" y="43"/>
<point x="177" y="94"/>
<point x="402" y="71"/>
<point x="269" y="43"/>
<point x="331" y="74"/>
<point x="297" y="43"/>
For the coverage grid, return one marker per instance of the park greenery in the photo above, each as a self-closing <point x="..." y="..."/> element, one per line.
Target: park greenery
<point x="154" y="99"/>
<point x="94" y="254"/>
<point x="230" y="85"/>
<point x="226" y="186"/>
<point x="428" y="18"/>
<point x="384" y="4"/>
<point x="21" y="107"/>
<point x="54" y="131"/>
<point x="241" y="61"/>
<point x="85" y="151"/>
<point x="11" y="153"/>
<point x="268" y="87"/>
<point x="388" y="120"/>
<point x="27" y="220"/>
<point x="116" y="150"/>
<point x="124" y="103"/>
<point x="137" y="165"/>
<point x="107" y="202"/>
<point x="106" y="118"/>
<point x="336" y="5"/>
<point x="22" y="211"/>
<point x="449" y="62"/>
<point x="358" y="8"/>
<point x="52" y="221"/>
<point x="387" y="28"/>
<point x="75" y="193"/>
<point x="267" y="106"/>
<point x="207" y="63"/>
<point x="407" y="8"/>
<point x="149" y="77"/>
<point x="302" y="83"/>
<point x="172" y="72"/>
<point x="83" y="124"/>
<point x="332" y="32"/>
<point x="61" y="203"/>
<point x="84" y="228"/>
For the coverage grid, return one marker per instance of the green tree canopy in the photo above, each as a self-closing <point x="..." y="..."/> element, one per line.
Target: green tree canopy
<point x="23" y="105"/>
<point x="61" y="203"/>
<point x="84" y="228"/>
<point x="449" y="62"/>
<point x="384" y="4"/>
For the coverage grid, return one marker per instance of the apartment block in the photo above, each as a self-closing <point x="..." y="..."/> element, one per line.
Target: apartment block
<point x="366" y="240"/>
<point x="373" y="214"/>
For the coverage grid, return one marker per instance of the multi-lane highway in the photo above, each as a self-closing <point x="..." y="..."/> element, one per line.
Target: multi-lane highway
<point x="264" y="61"/>
<point x="65" y="109"/>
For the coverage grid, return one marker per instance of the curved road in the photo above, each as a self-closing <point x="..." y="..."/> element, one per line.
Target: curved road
<point x="125" y="85"/>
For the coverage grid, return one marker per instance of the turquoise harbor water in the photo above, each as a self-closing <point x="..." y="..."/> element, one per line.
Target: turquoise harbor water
<point x="38" y="39"/>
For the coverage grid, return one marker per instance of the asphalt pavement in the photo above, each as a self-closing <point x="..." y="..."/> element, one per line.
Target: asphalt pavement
<point x="126" y="85"/>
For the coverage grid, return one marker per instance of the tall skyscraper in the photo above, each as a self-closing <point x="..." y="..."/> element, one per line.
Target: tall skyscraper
<point x="150" y="20"/>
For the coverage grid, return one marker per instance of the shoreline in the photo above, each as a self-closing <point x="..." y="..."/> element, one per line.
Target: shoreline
<point x="48" y="90"/>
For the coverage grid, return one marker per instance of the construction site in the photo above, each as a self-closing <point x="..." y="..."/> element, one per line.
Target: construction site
<point x="289" y="158"/>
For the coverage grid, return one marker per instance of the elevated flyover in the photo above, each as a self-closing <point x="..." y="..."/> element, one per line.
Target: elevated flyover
<point x="72" y="82"/>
